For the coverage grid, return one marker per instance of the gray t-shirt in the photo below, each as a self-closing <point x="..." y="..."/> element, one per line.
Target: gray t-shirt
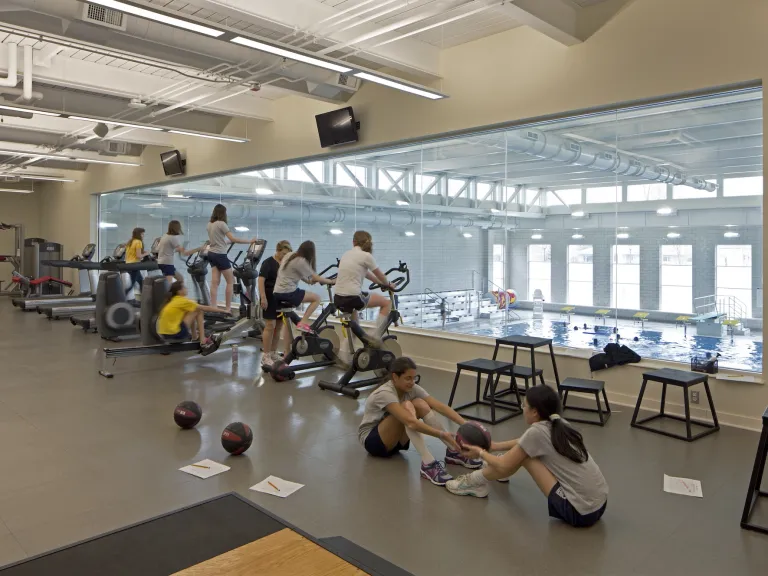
<point x="377" y="402"/>
<point x="167" y="248"/>
<point x="291" y="273"/>
<point x="353" y="267"/>
<point x="217" y="236"/>
<point x="583" y="484"/>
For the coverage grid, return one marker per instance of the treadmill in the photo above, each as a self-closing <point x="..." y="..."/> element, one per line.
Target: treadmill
<point x="85" y="279"/>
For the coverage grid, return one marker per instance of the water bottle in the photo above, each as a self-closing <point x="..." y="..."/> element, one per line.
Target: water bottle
<point x="235" y="354"/>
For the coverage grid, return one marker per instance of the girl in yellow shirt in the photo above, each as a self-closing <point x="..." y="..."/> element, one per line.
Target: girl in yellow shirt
<point x="181" y="319"/>
<point x="134" y="252"/>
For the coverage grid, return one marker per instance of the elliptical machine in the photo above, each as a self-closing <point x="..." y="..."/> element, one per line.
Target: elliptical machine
<point x="251" y="322"/>
<point x="369" y="358"/>
<point x="322" y="345"/>
<point x="197" y="268"/>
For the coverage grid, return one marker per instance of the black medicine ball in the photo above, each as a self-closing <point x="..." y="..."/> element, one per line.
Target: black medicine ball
<point x="473" y="434"/>
<point x="237" y="438"/>
<point x="187" y="414"/>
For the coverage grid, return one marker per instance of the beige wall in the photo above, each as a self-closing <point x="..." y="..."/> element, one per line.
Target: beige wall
<point x="18" y="209"/>
<point x="650" y="49"/>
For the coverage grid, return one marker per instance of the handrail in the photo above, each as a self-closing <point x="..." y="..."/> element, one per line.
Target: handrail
<point x="485" y="279"/>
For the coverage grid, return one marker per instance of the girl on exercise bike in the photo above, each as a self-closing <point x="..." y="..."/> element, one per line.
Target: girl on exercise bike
<point x="297" y="266"/>
<point x="355" y="266"/>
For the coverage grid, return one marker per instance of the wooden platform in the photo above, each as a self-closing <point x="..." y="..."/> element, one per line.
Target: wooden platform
<point x="284" y="553"/>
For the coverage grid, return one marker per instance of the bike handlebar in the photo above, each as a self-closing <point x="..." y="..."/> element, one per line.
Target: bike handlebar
<point x="400" y="282"/>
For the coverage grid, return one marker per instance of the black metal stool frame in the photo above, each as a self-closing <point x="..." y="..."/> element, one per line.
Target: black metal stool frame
<point x="491" y="383"/>
<point x="755" y="482"/>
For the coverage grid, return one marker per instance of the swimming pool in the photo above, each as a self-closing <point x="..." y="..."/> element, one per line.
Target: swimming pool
<point x="738" y="354"/>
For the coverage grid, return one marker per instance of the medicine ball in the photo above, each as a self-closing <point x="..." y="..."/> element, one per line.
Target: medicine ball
<point x="237" y="438"/>
<point x="187" y="414"/>
<point x="474" y="434"/>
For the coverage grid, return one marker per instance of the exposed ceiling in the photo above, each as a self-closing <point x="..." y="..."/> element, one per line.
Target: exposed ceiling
<point x="112" y="65"/>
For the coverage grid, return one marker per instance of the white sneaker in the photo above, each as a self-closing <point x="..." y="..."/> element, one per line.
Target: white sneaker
<point x="462" y="486"/>
<point x="267" y="359"/>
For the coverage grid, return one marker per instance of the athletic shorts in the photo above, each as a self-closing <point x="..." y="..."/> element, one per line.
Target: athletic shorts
<point x="219" y="261"/>
<point x="562" y="509"/>
<point x="349" y="303"/>
<point x="290" y="299"/>
<point x="167" y="269"/>
<point x="271" y="312"/>
<point x="375" y="446"/>
<point x="182" y="334"/>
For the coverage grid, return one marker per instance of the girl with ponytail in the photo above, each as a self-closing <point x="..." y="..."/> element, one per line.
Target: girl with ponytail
<point x="553" y="453"/>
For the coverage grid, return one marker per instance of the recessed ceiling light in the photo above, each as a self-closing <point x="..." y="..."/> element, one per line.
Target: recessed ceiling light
<point x="495" y="211"/>
<point x="536" y="237"/>
<point x="170" y="195"/>
<point x="673" y="235"/>
<point x="30" y="110"/>
<point x="264" y="192"/>
<point x="158" y="17"/>
<point x="401" y="203"/>
<point x="578" y="214"/>
<point x="730" y="225"/>
<point x="673" y="226"/>
<point x="201" y="135"/>
<point x="622" y="236"/>
<point x="107" y="225"/>
<point x="335" y="231"/>
<point x="409" y="233"/>
<point x="300" y="57"/>
<point x="623" y="227"/>
<point x="577" y="236"/>
<point x="116" y="123"/>
<point x="664" y="211"/>
<point x="467" y="235"/>
<point x="65" y="158"/>
<point x="731" y="235"/>
<point x="399" y="86"/>
<point x="242" y="229"/>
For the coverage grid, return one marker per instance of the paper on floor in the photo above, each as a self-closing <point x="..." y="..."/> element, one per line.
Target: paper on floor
<point x="205" y="469"/>
<point x="683" y="486"/>
<point x="279" y="487"/>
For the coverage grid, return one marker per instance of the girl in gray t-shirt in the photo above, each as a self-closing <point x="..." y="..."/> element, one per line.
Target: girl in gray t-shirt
<point x="553" y="453"/>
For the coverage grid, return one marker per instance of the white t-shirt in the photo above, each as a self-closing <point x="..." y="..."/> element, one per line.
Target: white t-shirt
<point x="217" y="236"/>
<point x="291" y="273"/>
<point x="167" y="248"/>
<point x="377" y="402"/>
<point x="353" y="267"/>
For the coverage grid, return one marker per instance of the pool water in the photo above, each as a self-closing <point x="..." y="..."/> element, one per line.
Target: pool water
<point x="738" y="354"/>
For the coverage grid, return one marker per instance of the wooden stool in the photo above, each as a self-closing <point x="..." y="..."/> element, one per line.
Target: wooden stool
<point x="755" y="482"/>
<point x="684" y="379"/>
<point x="494" y="369"/>
<point x="595" y="387"/>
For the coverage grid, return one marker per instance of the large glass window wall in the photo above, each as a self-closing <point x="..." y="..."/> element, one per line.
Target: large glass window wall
<point x="470" y="215"/>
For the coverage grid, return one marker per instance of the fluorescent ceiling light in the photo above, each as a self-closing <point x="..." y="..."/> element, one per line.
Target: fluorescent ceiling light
<point x="335" y="231"/>
<point x="577" y="236"/>
<point x="623" y="227"/>
<point x="30" y="110"/>
<point x="536" y="237"/>
<point x="65" y="158"/>
<point x="158" y="17"/>
<point x="731" y="235"/>
<point x="242" y="229"/>
<point x="409" y="233"/>
<point x="664" y="211"/>
<point x="264" y="192"/>
<point x="16" y="190"/>
<point x="622" y="236"/>
<point x="467" y="235"/>
<point x="116" y="123"/>
<point x="199" y="135"/>
<point x="34" y="177"/>
<point x="578" y="214"/>
<point x="673" y="226"/>
<point x="170" y="195"/>
<point x="289" y="54"/>
<point x="495" y="211"/>
<point x="401" y="202"/>
<point x="107" y="225"/>
<point x="399" y="86"/>
<point x="673" y="235"/>
<point x="730" y="225"/>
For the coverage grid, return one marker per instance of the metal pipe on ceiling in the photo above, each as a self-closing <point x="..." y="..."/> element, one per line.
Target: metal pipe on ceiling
<point x="13" y="63"/>
<point x="27" y="86"/>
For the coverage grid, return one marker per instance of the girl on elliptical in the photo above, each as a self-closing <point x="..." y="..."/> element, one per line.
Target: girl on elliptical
<point x="400" y="412"/>
<point x="355" y="266"/>
<point x="297" y="266"/>
<point x="134" y="252"/>
<point x="180" y="318"/>
<point x="267" y="279"/>
<point x="170" y="243"/>
<point x="218" y="234"/>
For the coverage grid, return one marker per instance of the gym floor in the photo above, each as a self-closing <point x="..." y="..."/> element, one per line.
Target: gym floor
<point x="82" y="455"/>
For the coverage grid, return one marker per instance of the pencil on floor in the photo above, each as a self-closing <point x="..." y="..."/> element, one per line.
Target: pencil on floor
<point x="201" y="466"/>
<point x="273" y="486"/>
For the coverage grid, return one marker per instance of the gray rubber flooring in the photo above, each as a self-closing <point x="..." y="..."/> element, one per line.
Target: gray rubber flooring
<point x="82" y="455"/>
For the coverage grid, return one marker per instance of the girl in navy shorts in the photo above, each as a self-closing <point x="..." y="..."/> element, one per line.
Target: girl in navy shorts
<point x="218" y="234"/>
<point x="170" y="243"/>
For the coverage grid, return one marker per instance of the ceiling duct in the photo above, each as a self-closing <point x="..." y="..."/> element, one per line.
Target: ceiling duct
<point x="104" y="16"/>
<point x="554" y="147"/>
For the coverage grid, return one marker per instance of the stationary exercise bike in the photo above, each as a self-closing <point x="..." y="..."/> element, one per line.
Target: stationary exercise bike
<point x="322" y="345"/>
<point x="370" y="358"/>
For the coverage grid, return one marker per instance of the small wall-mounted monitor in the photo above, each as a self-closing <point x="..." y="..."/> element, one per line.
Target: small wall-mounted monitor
<point x="337" y="127"/>
<point x="173" y="163"/>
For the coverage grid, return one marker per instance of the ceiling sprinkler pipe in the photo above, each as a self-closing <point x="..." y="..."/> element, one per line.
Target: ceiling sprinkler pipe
<point x="13" y="77"/>
<point x="27" y="91"/>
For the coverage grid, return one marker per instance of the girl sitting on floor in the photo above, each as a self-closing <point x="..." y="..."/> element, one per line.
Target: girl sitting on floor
<point x="553" y="453"/>
<point x="399" y="412"/>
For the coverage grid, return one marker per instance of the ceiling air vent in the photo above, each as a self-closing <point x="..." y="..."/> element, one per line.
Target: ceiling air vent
<point x="104" y="16"/>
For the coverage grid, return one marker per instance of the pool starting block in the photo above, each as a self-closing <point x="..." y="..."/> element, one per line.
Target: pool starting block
<point x="640" y="318"/>
<point x="602" y="314"/>
<point x="566" y="311"/>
